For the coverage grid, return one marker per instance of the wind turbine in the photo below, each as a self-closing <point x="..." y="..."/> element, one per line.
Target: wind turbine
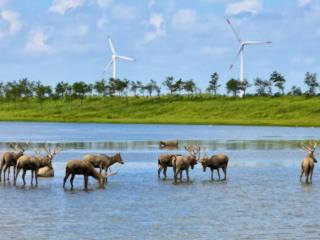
<point x="241" y="51"/>
<point x="114" y="59"/>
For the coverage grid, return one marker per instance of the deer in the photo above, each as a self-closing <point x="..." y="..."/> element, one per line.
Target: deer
<point x="169" y="144"/>
<point x="165" y="161"/>
<point x="85" y="168"/>
<point x="34" y="163"/>
<point x="9" y="159"/>
<point x="182" y="163"/>
<point x="307" y="164"/>
<point x="103" y="161"/>
<point x="215" y="162"/>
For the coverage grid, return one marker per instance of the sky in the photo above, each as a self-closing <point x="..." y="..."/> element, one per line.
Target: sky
<point x="66" y="40"/>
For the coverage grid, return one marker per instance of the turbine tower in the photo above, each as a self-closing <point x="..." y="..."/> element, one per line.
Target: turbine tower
<point x="114" y="60"/>
<point x="241" y="51"/>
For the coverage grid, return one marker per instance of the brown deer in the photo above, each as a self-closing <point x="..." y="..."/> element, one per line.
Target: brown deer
<point x="169" y="144"/>
<point x="308" y="162"/>
<point x="34" y="163"/>
<point x="182" y="163"/>
<point x="9" y="159"/>
<point x="164" y="161"/>
<point x="215" y="162"/>
<point x="85" y="168"/>
<point x="103" y="161"/>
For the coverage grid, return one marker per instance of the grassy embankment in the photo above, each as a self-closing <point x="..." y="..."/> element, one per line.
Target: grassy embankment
<point x="285" y="111"/>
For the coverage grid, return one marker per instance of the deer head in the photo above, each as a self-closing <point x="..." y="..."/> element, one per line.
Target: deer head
<point x="117" y="157"/>
<point x="310" y="148"/>
<point x="204" y="159"/>
<point x="50" y="153"/>
<point x="194" y="154"/>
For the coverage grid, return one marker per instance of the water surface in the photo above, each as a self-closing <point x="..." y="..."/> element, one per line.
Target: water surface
<point x="262" y="199"/>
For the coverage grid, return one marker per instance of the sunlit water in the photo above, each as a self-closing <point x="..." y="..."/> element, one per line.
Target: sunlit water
<point x="262" y="199"/>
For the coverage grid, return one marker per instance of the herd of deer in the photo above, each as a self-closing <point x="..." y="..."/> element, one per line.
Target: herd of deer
<point x="87" y="167"/>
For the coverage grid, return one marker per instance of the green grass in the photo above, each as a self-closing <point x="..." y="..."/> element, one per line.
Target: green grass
<point x="282" y="111"/>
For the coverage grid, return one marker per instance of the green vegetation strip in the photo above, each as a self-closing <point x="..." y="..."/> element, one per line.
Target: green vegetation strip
<point x="200" y="109"/>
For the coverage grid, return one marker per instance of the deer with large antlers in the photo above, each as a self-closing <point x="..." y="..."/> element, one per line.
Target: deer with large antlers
<point x="103" y="161"/>
<point x="165" y="161"/>
<point x="182" y="163"/>
<point x="34" y="163"/>
<point x="308" y="162"/>
<point x="9" y="159"/>
<point x="215" y="162"/>
<point x="85" y="168"/>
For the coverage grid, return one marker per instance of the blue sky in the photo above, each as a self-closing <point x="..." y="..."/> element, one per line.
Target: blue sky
<point x="66" y="40"/>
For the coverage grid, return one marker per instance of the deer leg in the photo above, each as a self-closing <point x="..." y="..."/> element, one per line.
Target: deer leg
<point x="23" y="177"/>
<point x="311" y="173"/>
<point x="31" y="177"/>
<point x="71" y="181"/>
<point x="106" y="173"/>
<point x="65" y="178"/>
<point x="175" y="173"/>
<point x="225" y="173"/>
<point x="302" y="171"/>
<point x="16" y="176"/>
<point x="2" y="164"/>
<point x="212" y="174"/>
<point x="85" y="178"/>
<point x="159" y="170"/>
<point x="14" y="172"/>
<point x="187" y="171"/>
<point x="4" y="172"/>
<point x="36" y="176"/>
<point x="8" y="177"/>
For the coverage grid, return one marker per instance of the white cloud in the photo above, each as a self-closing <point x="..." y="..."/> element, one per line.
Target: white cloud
<point x="102" y="22"/>
<point x="184" y="19"/>
<point x="123" y="12"/>
<point x="151" y="3"/>
<point x="61" y="6"/>
<point x="37" y="43"/>
<point x="13" y="20"/>
<point x="104" y="3"/>
<point x="156" y="21"/>
<point x="304" y="3"/>
<point x="244" y="6"/>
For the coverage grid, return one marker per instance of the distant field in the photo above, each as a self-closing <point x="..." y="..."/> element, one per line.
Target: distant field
<point x="284" y="111"/>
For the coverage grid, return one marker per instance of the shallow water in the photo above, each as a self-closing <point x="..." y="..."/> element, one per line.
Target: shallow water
<point x="262" y="199"/>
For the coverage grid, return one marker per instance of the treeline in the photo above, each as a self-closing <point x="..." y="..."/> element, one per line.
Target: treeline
<point x="24" y="89"/>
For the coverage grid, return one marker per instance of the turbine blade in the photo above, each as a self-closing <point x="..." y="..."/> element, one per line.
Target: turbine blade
<point x="126" y="58"/>
<point x="234" y="31"/>
<point x="241" y="49"/>
<point x="111" y="45"/>
<point x="107" y="66"/>
<point x="256" y="43"/>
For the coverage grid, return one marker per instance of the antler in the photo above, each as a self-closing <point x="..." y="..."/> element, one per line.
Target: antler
<point x="111" y="174"/>
<point x="312" y="146"/>
<point x="14" y="146"/>
<point x="49" y="151"/>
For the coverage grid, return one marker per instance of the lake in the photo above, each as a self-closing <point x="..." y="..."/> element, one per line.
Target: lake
<point x="262" y="198"/>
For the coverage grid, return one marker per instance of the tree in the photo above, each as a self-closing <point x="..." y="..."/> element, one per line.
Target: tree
<point x="295" y="91"/>
<point x="134" y="87"/>
<point x="169" y="83"/>
<point x="61" y="89"/>
<point x="42" y="92"/>
<point x="243" y="86"/>
<point x="189" y="86"/>
<point x="213" y="84"/>
<point x="264" y="87"/>
<point x="311" y="81"/>
<point x="233" y="86"/>
<point x="101" y="87"/>
<point x="178" y="86"/>
<point x="278" y="80"/>
<point x="13" y="91"/>
<point x="80" y="89"/>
